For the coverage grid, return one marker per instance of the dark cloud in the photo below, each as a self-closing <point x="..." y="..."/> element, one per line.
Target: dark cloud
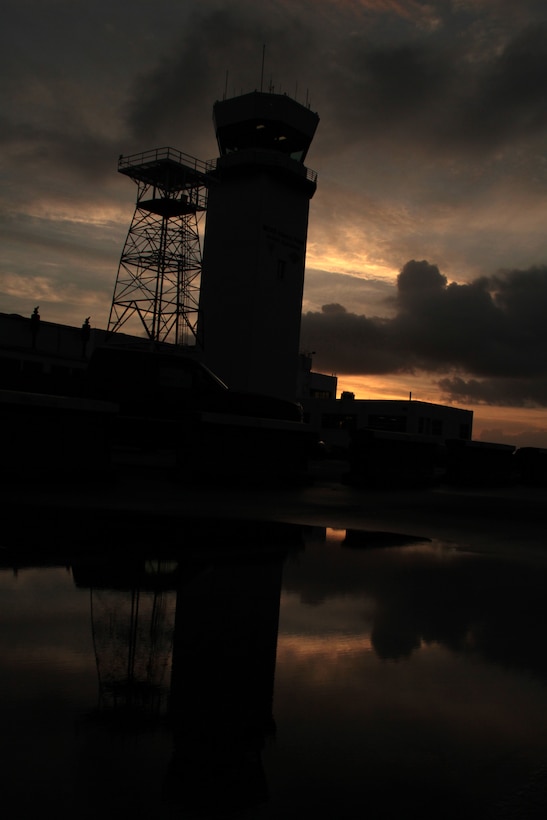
<point x="491" y="333"/>
<point x="507" y="99"/>
<point x="419" y="278"/>
<point x="333" y="309"/>
<point x="447" y="92"/>
<point x="223" y="49"/>
<point x="407" y="71"/>
<point x="112" y="78"/>
<point x="507" y="392"/>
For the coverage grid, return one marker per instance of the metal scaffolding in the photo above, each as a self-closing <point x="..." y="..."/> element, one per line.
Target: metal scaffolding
<point x="158" y="280"/>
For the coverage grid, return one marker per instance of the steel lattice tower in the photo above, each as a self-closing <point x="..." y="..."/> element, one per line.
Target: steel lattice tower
<point x="158" y="280"/>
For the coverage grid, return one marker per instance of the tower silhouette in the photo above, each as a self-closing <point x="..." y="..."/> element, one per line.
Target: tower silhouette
<point x="240" y="306"/>
<point x="157" y="285"/>
<point x="254" y="248"/>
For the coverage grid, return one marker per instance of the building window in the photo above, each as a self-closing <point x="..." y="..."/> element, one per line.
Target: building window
<point x="436" y="427"/>
<point x="395" y="424"/>
<point x="424" y="426"/>
<point x="338" y="421"/>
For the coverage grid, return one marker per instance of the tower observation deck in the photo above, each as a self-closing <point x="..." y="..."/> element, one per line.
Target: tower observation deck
<point x="158" y="279"/>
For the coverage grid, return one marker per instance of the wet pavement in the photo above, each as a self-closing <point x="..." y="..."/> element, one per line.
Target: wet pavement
<point x="317" y="650"/>
<point x="140" y="499"/>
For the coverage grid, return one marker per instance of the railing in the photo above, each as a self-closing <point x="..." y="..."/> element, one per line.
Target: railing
<point x="269" y="158"/>
<point x="147" y="158"/>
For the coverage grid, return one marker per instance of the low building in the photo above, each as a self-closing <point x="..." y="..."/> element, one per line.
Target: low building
<point x="51" y="354"/>
<point x="338" y="419"/>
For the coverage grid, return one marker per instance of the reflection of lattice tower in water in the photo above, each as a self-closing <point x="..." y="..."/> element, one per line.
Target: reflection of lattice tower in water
<point x="158" y="281"/>
<point x="133" y="636"/>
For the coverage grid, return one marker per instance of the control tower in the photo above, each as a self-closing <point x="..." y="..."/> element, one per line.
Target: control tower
<point x="254" y="247"/>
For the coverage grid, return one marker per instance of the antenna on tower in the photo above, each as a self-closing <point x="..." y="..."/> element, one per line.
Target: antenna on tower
<point x="262" y="69"/>
<point x="226" y="85"/>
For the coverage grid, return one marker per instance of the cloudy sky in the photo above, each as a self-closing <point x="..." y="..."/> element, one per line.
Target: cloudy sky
<point x="427" y="246"/>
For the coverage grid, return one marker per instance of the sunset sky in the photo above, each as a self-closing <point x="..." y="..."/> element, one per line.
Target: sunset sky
<point x="427" y="246"/>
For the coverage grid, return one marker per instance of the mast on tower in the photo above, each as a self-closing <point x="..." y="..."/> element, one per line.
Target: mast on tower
<point x="158" y="280"/>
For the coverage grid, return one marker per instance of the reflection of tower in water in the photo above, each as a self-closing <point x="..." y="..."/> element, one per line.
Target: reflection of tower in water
<point x="132" y="623"/>
<point x="193" y="642"/>
<point x="222" y="683"/>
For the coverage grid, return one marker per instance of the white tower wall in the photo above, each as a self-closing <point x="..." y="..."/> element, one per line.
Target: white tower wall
<point x="255" y="246"/>
<point x="252" y="282"/>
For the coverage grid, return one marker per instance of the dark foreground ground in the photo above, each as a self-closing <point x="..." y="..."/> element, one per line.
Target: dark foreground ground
<point x="134" y="504"/>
